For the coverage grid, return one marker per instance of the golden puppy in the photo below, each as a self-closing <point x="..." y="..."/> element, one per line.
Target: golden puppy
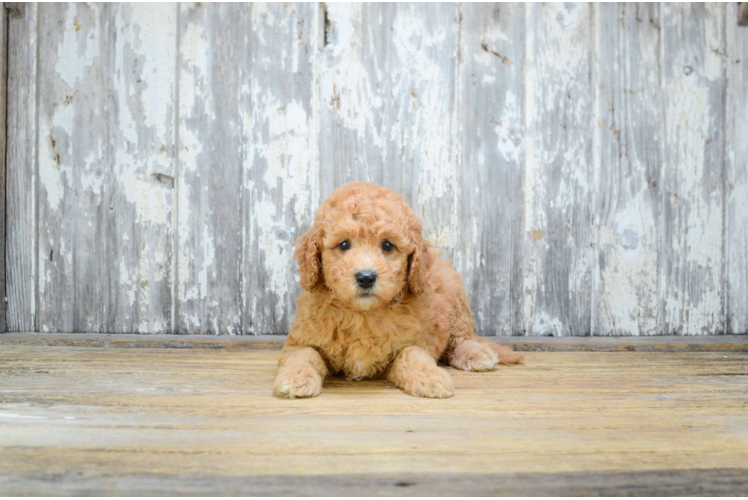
<point x="378" y="301"/>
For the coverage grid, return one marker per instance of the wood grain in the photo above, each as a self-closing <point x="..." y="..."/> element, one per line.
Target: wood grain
<point x="736" y="176"/>
<point x="627" y="174"/>
<point x="213" y="71"/>
<point x="667" y="482"/>
<point x="693" y="82"/>
<point x="559" y="99"/>
<point x="3" y="144"/>
<point x="140" y="228"/>
<point x="72" y="144"/>
<point x="280" y="192"/>
<point x="21" y="173"/>
<point x="247" y="163"/>
<point x="387" y="107"/>
<point x="143" y="418"/>
<point x="490" y="233"/>
<point x="582" y="165"/>
<point x="105" y="164"/>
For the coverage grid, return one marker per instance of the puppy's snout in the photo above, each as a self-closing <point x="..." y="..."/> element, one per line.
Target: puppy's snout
<point x="366" y="279"/>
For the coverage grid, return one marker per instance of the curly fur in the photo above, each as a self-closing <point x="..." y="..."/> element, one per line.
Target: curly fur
<point x="416" y="314"/>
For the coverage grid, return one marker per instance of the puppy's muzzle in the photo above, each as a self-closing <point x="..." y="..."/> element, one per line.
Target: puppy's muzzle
<point x="366" y="279"/>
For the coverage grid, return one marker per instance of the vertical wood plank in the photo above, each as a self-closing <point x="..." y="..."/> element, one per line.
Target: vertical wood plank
<point x="281" y="168"/>
<point x="627" y="179"/>
<point x="142" y="126"/>
<point x="490" y="233"/>
<point x="388" y="106"/>
<point x="558" y="113"/>
<point x="736" y="272"/>
<point x="21" y="173"/>
<point x="213" y="51"/>
<point x="3" y="138"/>
<point x="105" y="128"/>
<point x="74" y="194"/>
<point x="692" y="191"/>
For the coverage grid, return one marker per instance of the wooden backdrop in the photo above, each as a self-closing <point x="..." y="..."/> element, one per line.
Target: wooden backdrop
<point x="585" y="166"/>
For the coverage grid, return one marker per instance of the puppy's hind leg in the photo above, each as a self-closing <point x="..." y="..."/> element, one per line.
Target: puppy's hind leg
<point x="506" y="355"/>
<point x="469" y="354"/>
<point x="415" y="371"/>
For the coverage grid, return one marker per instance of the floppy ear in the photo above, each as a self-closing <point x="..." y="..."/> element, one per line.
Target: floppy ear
<point x="419" y="264"/>
<point x="307" y="253"/>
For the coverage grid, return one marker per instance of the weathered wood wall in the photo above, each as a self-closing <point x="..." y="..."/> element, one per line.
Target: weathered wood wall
<point x="3" y="138"/>
<point x="585" y="166"/>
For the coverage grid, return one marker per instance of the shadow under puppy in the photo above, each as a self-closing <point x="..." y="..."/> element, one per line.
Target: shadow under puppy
<point x="379" y="301"/>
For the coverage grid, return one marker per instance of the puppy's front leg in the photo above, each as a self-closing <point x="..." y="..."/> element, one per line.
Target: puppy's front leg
<point x="301" y="371"/>
<point x="416" y="372"/>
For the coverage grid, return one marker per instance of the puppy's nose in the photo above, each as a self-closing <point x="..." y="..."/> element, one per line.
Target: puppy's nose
<point x="366" y="279"/>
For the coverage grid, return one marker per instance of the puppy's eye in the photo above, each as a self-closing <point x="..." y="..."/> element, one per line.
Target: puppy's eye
<point x="346" y="245"/>
<point x="387" y="246"/>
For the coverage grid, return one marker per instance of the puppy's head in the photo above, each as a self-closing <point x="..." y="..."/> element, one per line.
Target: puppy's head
<point x="366" y="247"/>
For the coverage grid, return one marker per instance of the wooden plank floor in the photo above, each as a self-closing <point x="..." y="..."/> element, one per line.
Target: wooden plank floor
<point x="97" y="421"/>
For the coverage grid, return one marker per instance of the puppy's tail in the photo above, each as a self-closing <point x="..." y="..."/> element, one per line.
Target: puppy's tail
<point x="506" y="355"/>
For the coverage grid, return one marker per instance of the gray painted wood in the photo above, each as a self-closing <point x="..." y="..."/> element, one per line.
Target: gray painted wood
<point x="247" y="163"/>
<point x="736" y="176"/>
<point x="21" y="173"/>
<point x="142" y="127"/>
<point x="627" y="172"/>
<point x="673" y="482"/>
<point x="3" y="138"/>
<point x="387" y="106"/>
<point x="281" y="159"/>
<point x="559" y="97"/>
<point x="489" y="239"/>
<point x="74" y="192"/>
<point x="693" y="81"/>
<point x="213" y="76"/>
<point x="583" y="165"/>
<point x="15" y="9"/>
<point x="105" y="162"/>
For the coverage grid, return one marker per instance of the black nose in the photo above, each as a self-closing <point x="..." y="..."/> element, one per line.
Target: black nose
<point x="366" y="279"/>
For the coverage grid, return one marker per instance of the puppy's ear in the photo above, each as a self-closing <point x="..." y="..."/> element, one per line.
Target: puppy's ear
<point x="308" y="248"/>
<point x="419" y="264"/>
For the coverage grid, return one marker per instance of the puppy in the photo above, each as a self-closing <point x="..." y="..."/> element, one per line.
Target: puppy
<point x="379" y="301"/>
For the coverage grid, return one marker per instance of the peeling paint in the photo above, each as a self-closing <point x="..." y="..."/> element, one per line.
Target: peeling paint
<point x="280" y="162"/>
<point x="558" y="113"/>
<point x="535" y="166"/>
<point x="627" y="206"/>
<point x="691" y="279"/>
<point x="736" y="178"/>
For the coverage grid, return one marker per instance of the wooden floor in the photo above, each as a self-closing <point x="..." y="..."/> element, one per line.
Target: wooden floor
<point x="107" y="421"/>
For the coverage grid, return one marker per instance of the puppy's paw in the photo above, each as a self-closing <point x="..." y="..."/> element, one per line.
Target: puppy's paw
<point x="474" y="356"/>
<point x="302" y="383"/>
<point x="434" y="383"/>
